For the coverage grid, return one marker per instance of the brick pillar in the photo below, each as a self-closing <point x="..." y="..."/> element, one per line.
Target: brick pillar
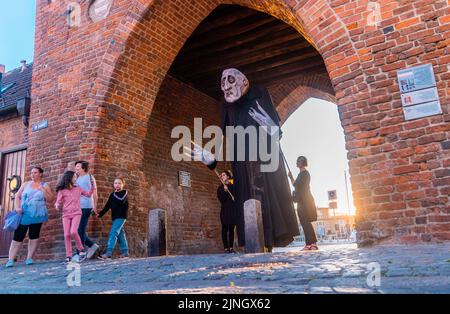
<point x="254" y="231"/>
<point x="157" y="232"/>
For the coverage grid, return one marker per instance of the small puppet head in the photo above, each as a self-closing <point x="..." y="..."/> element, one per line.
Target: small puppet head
<point x="234" y="84"/>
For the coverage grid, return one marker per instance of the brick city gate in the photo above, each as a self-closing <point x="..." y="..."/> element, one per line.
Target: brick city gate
<point x="104" y="89"/>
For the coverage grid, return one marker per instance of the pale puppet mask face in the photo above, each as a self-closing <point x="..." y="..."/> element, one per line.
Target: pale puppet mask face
<point x="234" y="84"/>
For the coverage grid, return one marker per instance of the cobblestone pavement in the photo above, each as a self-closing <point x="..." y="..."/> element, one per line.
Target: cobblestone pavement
<point x="341" y="268"/>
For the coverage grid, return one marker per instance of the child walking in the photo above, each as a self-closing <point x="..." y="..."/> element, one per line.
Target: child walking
<point x="118" y="203"/>
<point x="68" y="200"/>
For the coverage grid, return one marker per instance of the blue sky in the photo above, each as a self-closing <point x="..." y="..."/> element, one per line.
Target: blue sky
<point x="313" y="130"/>
<point x="16" y="32"/>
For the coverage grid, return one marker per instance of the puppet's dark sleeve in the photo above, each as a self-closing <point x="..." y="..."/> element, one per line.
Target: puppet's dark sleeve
<point x="269" y="107"/>
<point x="223" y="119"/>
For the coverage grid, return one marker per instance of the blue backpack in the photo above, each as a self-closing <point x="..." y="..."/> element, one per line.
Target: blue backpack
<point x="12" y="221"/>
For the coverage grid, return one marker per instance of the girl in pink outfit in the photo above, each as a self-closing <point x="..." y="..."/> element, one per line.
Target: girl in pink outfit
<point x="68" y="200"/>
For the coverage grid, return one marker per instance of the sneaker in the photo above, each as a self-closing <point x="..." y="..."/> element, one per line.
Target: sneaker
<point x="29" y="261"/>
<point x="91" y="251"/>
<point x="76" y="258"/>
<point x="82" y="255"/>
<point x="10" y="263"/>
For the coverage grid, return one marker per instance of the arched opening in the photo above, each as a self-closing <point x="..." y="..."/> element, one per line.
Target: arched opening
<point x="314" y="130"/>
<point x="159" y="83"/>
<point x="271" y="54"/>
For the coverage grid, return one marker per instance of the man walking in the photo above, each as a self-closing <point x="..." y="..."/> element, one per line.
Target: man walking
<point x="88" y="205"/>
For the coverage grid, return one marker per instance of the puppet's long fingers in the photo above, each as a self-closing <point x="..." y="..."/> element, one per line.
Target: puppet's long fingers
<point x="187" y="149"/>
<point x="266" y="115"/>
<point x="196" y="146"/>
<point x="260" y="108"/>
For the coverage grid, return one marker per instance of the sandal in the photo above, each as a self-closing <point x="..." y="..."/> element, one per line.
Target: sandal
<point x="313" y="247"/>
<point x="104" y="257"/>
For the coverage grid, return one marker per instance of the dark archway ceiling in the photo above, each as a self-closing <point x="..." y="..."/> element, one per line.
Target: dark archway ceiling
<point x="265" y="49"/>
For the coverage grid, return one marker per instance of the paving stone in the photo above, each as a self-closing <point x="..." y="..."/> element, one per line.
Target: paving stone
<point x="444" y="269"/>
<point x="353" y="273"/>
<point x="425" y="271"/>
<point x="321" y="290"/>
<point x="352" y="290"/>
<point x="399" y="272"/>
<point x="335" y="269"/>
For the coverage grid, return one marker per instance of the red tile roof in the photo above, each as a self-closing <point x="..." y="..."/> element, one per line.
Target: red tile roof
<point x="21" y="88"/>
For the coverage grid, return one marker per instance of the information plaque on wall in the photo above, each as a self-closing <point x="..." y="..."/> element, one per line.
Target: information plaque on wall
<point x="418" y="92"/>
<point x="184" y="179"/>
<point x="39" y="126"/>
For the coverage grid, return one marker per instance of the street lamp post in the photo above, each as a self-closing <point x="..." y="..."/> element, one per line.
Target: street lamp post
<point x="348" y="202"/>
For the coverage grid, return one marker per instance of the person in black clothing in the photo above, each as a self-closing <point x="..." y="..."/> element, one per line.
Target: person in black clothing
<point x="250" y="106"/>
<point x="118" y="203"/>
<point x="228" y="213"/>
<point x="306" y="207"/>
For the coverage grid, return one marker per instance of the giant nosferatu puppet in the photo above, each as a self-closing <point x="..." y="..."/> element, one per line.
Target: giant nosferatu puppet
<point x="245" y="105"/>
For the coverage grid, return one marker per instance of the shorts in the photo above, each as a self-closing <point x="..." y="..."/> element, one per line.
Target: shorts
<point x="21" y="232"/>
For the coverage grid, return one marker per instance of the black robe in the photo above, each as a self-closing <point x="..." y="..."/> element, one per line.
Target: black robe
<point x="228" y="210"/>
<point x="271" y="188"/>
<point x="306" y="207"/>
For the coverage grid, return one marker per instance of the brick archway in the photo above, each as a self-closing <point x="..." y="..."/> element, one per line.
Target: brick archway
<point x="327" y="33"/>
<point x="134" y="71"/>
<point x="289" y="96"/>
<point x="105" y="78"/>
<point x="297" y="97"/>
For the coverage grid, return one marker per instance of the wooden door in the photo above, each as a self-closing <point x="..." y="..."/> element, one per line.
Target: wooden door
<point x="12" y="163"/>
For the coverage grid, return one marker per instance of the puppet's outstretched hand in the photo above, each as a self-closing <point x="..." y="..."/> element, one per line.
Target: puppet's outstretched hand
<point x="263" y="119"/>
<point x="203" y="155"/>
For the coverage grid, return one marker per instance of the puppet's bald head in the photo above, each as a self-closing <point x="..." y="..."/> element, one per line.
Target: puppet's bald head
<point x="234" y="84"/>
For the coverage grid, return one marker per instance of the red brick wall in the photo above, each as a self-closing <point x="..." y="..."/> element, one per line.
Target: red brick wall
<point x="97" y="85"/>
<point x="12" y="132"/>
<point x="192" y="213"/>
<point x="399" y="169"/>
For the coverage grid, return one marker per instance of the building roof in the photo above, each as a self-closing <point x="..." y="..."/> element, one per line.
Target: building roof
<point x="21" y="87"/>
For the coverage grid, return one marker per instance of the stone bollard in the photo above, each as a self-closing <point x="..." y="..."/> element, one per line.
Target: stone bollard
<point x="157" y="232"/>
<point x="254" y="231"/>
